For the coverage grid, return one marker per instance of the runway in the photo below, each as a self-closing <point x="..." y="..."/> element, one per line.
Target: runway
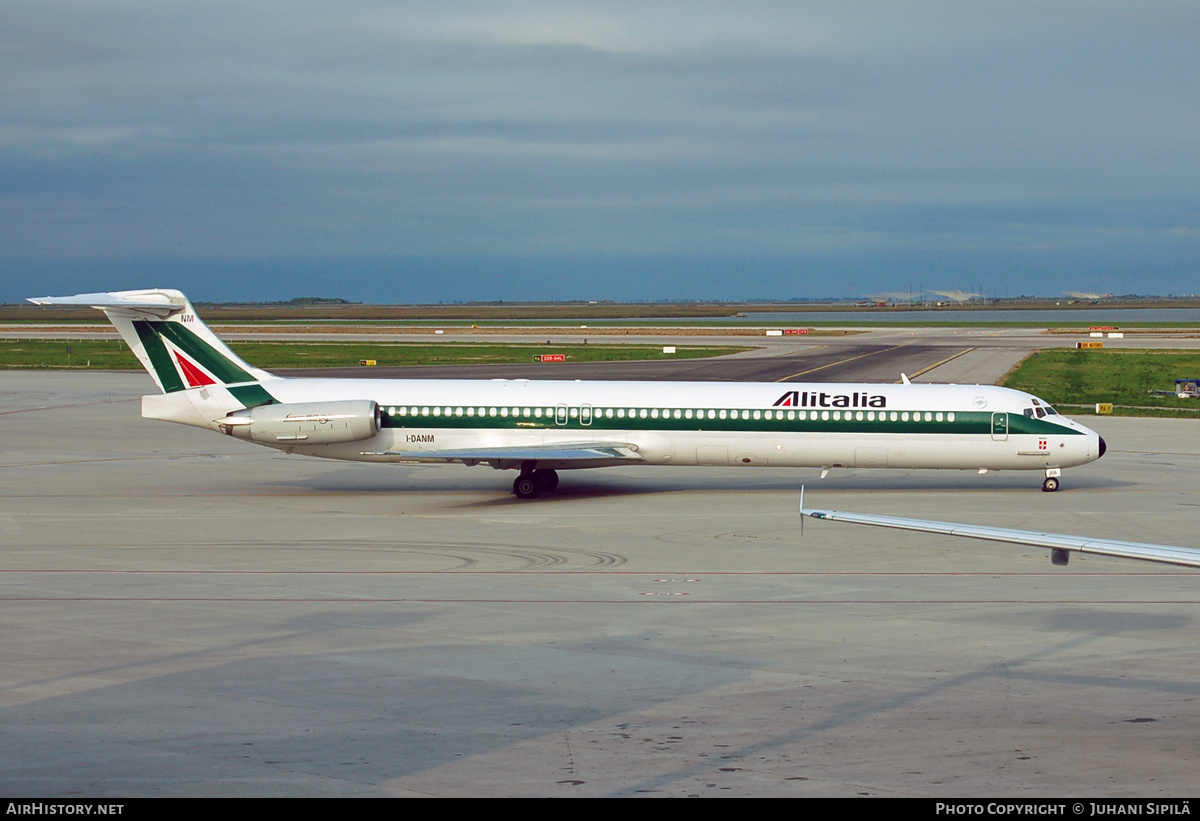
<point x="187" y="614"/>
<point x="867" y="362"/>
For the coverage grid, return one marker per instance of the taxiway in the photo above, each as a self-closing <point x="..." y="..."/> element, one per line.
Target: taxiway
<point x="187" y="614"/>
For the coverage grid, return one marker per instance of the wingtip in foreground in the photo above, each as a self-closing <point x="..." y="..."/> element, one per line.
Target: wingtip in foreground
<point x="1061" y="545"/>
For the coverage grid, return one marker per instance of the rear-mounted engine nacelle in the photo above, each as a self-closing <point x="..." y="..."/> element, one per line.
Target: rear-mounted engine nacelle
<point x="307" y="423"/>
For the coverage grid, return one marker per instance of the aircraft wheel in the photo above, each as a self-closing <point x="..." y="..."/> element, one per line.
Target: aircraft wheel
<point x="526" y="486"/>
<point x="1050" y="485"/>
<point x="547" y="480"/>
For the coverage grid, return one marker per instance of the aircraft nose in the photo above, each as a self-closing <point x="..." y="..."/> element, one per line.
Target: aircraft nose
<point x="1103" y="447"/>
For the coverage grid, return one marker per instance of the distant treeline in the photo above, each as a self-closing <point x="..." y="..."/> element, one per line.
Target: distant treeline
<point x="300" y="300"/>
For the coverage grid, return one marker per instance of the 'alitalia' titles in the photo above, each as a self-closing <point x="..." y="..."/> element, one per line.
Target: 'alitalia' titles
<point x="818" y="399"/>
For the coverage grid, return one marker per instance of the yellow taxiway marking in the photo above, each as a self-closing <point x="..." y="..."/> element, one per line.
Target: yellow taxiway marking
<point x="839" y="362"/>
<point x="937" y="364"/>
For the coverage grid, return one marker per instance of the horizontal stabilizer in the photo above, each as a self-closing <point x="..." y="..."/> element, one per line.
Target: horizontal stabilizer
<point x="157" y="303"/>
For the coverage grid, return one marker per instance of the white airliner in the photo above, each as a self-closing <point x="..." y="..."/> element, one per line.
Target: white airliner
<point x="540" y="427"/>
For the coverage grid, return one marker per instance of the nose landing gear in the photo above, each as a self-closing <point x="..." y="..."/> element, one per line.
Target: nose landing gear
<point x="1051" y="483"/>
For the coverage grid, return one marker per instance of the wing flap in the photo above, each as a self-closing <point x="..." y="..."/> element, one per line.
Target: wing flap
<point x="582" y="455"/>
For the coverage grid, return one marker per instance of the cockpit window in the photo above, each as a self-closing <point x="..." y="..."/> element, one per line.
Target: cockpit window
<point x="1039" y="409"/>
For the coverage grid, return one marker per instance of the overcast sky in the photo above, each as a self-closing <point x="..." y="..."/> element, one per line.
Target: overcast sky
<point x="424" y="152"/>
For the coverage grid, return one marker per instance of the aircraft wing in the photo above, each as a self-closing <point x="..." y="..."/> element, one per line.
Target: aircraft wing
<point x="554" y="456"/>
<point x="1058" y="543"/>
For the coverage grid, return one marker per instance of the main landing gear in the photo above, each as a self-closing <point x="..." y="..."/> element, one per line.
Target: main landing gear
<point x="533" y="483"/>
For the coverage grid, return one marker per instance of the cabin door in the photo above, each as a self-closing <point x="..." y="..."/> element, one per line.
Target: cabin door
<point x="999" y="427"/>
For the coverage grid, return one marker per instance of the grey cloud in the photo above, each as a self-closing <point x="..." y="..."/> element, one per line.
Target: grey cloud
<point x="825" y="134"/>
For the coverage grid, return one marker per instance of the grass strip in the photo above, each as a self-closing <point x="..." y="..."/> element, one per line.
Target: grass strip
<point x="1080" y="379"/>
<point x="115" y="354"/>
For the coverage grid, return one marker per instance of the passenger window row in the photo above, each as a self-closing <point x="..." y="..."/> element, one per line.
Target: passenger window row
<point x="671" y="413"/>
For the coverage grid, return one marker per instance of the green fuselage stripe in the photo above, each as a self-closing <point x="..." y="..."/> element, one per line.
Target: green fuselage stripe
<point x="971" y="422"/>
<point x="252" y="396"/>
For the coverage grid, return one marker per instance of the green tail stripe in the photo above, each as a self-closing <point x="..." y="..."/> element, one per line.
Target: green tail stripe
<point x="252" y="395"/>
<point x="159" y="357"/>
<point x="212" y="361"/>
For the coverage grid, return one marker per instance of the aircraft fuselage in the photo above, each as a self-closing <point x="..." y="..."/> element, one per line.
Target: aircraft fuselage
<point x="682" y="423"/>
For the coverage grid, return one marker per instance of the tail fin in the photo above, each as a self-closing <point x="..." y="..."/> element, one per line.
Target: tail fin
<point x="161" y="327"/>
